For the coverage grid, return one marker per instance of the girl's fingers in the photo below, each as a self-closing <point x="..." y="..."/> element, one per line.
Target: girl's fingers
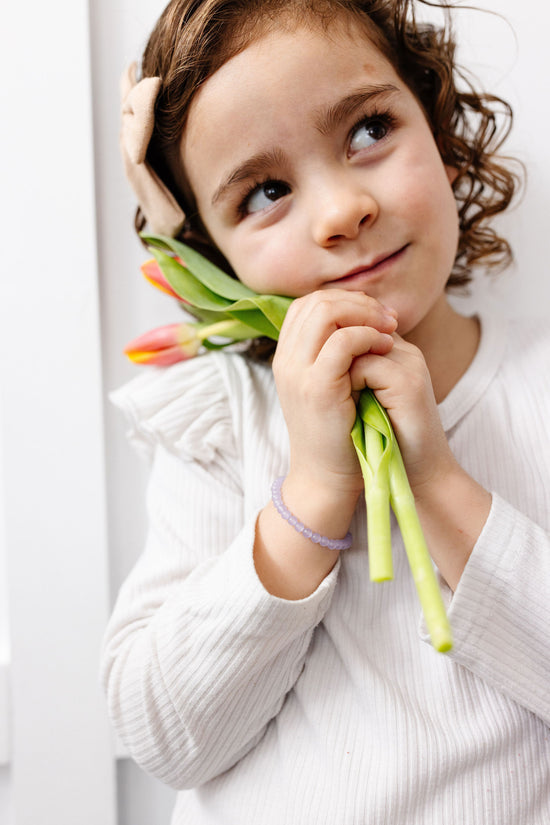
<point x="403" y="364"/>
<point x="347" y="344"/>
<point x="313" y="319"/>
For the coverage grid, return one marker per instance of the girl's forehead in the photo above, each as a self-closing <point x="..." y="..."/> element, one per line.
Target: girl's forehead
<point x="281" y="58"/>
<point x="330" y="20"/>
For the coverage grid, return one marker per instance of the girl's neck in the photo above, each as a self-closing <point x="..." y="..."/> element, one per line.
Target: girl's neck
<point x="449" y="342"/>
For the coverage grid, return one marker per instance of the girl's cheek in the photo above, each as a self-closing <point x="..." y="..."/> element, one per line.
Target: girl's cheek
<point x="270" y="263"/>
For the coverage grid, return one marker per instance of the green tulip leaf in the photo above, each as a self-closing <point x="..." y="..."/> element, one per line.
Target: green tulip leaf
<point x="211" y="276"/>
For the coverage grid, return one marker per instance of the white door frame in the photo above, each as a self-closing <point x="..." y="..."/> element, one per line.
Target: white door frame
<point x="61" y="762"/>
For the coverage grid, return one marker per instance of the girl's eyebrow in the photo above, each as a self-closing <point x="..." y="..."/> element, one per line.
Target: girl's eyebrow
<point x="329" y="119"/>
<point x="255" y="167"/>
<point x="264" y="162"/>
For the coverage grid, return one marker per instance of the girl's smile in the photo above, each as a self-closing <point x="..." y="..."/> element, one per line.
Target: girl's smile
<point x="317" y="167"/>
<point x="369" y="272"/>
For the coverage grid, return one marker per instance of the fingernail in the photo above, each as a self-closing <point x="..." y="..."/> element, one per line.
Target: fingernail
<point x="390" y="311"/>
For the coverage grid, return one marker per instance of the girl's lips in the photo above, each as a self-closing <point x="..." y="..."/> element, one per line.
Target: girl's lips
<point x="375" y="268"/>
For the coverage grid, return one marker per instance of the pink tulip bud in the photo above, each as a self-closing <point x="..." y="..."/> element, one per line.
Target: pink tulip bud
<point x="155" y="276"/>
<point x="165" y="345"/>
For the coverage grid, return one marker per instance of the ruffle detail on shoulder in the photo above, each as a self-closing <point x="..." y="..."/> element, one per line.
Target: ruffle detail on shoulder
<point x="184" y="407"/>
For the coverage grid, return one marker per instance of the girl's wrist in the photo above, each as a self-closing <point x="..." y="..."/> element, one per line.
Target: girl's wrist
<point x="288" y="563"/>
<point x="325" y="504"/>
<point x="453" y="510"/>
<point x="300" y="527"/>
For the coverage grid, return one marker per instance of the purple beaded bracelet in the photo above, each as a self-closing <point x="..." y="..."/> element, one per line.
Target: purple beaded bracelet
<point x="282" y="509"/>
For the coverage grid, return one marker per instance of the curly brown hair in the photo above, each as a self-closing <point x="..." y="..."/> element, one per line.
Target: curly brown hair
<point x="194" y="38"/>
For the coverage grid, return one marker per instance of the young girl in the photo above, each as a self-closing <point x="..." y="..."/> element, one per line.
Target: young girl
<point x="321" y="150"/>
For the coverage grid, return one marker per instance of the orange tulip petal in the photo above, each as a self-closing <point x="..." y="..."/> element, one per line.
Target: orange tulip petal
<point x="155" y="276"/>
<point x="165" y="345"/>
<point x="161" y="358"/>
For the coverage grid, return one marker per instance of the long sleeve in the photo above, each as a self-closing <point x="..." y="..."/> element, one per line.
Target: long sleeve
<point x="500" y="612"/>
<point x="198" y="657"/>
<point x="334" y="707"/>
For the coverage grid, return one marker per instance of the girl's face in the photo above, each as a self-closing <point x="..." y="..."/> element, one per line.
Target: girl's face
<point x="313" y="166"/>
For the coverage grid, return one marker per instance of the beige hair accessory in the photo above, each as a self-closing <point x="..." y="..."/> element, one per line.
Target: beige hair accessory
<point x="162" y="211"/>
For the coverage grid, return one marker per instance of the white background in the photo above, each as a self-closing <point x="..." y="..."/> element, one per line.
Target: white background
<point x="71" y="296"/>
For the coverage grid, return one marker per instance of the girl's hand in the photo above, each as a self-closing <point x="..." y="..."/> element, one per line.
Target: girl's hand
<point x="323" y="333"/>
<point x="402" y="384"/>
<point x="334" y="344"/>
<point x="322" y="336"/>
<point x="452" y="506"/>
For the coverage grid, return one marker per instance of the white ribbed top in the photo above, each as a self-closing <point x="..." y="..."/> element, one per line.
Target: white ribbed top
<point x="335" y="709"/>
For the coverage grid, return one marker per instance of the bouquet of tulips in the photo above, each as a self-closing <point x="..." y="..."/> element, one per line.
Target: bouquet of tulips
<point x="225" y="312"/>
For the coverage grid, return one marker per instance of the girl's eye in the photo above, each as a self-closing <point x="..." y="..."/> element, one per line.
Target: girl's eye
<point x="368" y="132"/>
<point x="263" y="195"/>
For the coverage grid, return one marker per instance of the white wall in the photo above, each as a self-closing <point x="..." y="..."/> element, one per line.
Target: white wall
<point x="46" y="167"/>
<point x="129" y="306"/>
<point x="507" y="49"/>
<point x="54" y="524"/>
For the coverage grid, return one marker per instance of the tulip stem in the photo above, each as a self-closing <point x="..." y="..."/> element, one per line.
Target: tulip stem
<point x="377" y="497"/>
<point x="420" y="561"/>
<point x="231" y="329"/>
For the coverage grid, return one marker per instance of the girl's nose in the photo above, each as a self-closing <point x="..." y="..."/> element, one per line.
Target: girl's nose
<point x="341" y="214"/>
